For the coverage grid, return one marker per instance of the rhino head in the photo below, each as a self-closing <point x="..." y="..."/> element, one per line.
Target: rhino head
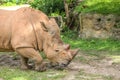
<point x="63" y="56"/>
<point x="59" y="54"/>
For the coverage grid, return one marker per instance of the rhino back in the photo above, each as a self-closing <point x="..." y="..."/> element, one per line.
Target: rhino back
<point x="29" y="24"/>
<point x="16" y="28"/>
<point x="22" y="31"/>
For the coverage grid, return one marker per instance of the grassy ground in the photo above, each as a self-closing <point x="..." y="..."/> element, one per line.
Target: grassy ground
<point x="7" y="73"/>
<point x="13" y="2"/>
<point x="99" y="6"/>
<point x="90" y="44"/>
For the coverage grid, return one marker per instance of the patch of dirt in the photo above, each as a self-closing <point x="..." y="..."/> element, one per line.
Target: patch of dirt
<point x="1" y="79"/>
<point x="9" y="60"/>
<point x="103" y="67"/>
<point x="95" y="65"/>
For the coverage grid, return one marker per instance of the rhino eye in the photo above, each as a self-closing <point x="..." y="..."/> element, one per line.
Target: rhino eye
<point x="56" y="50"/>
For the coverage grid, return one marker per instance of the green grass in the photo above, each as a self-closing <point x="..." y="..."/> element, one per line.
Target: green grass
<point x="16" y="74"/>
<point x="90" y="44"/>
<point x="92" y="55"/>
<point x="13" y="2"/>
<point x="8" y="4"/>
<point x="99" y="6"/>
<point x="86" y="76"/>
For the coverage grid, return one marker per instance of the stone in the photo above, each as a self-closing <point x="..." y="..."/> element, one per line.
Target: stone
<point x="94" y="25"/>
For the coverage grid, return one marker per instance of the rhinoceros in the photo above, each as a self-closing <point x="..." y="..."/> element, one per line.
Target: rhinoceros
<point x="28" y="31"/>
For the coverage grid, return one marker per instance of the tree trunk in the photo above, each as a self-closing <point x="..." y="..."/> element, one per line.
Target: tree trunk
<point x="66" y="12"/>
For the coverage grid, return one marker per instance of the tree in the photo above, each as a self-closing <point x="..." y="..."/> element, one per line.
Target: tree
<point x="66" y="11"/>
<point x="71" y="16"/>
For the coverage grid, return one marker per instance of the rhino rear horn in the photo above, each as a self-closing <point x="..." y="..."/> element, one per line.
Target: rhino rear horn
<point x="67" y="46"/>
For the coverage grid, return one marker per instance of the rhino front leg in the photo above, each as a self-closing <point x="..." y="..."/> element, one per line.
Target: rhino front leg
<point x="31" y="54"/>
<point x="24" y="62"/>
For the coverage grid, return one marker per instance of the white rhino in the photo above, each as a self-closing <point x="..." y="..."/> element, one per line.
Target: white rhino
<point x="28" y="31"/>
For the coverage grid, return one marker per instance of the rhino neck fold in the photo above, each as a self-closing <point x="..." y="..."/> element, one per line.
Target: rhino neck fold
<point x="45" y="46"/>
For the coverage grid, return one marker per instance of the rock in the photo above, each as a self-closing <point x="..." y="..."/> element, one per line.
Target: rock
<point x="93" y="25"/>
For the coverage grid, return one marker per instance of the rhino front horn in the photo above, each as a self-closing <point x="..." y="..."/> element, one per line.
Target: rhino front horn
<point x="74" y="52"/>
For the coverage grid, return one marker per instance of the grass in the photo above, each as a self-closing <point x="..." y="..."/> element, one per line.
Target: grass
<point x="88" y="56"/>
<point x="13" y="2"/>
<point x="90" y="44"/>
<point x="8" y="4"/>
<point x="86" y="76"/>
<point x="99" y="6"/>
<point x="16" y="74"/>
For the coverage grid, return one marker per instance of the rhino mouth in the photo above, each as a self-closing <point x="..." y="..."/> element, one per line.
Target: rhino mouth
<point x="61" y="66"/>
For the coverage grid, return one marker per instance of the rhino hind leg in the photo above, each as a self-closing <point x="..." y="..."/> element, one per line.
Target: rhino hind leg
<point x="30" y="53"/>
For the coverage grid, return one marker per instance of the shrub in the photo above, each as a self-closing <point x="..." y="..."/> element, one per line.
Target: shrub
<point x="49" y="6"/>
<point x="12" y="2"/>
<point x="99" y="6"/>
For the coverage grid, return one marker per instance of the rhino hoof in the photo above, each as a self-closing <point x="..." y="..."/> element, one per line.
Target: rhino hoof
<point x="41" y="68"/>
<point x="26" y="67"/>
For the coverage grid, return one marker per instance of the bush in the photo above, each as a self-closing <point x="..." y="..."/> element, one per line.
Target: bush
<point x="49" y="6"/>
<point x="12" y="2"/>
<point x="99" y="6"/>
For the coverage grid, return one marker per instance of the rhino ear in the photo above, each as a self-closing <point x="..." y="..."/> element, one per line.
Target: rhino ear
<point x="44" y="27"/>
<point x="47" y="29"/>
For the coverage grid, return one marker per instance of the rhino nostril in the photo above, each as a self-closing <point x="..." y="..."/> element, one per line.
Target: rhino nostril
<point x="64" y="65"/>
<point x="54" y="64"/>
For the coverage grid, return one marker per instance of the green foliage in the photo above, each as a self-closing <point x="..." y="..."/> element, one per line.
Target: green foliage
<point x="12" y="2"/>
<point x="8" y="4"/>
<point x="90" y="44"/>
<point x="99" y="6"/>
<point x="49" y="6"/>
